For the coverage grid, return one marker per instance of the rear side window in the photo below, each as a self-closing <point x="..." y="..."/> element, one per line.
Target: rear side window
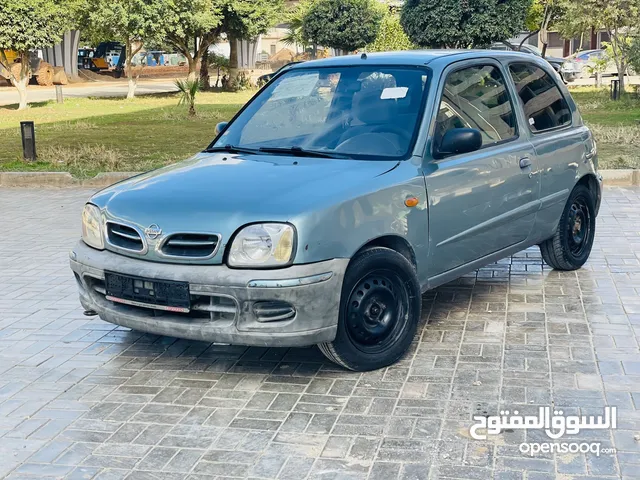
<point x="476" y="97"/>
<point x="543" y="103"/>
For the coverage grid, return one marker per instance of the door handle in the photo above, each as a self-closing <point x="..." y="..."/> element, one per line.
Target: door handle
<point x="525" y="162"/>
<point x="590" y="154"/>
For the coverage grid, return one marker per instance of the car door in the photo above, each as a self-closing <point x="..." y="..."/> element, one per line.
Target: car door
<point x="559" y="145"/>
<point x="484" y="201"/>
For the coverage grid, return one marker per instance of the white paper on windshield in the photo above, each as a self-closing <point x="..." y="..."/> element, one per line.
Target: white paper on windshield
<point x="394" y="93"/>
<point x="295" y="86"/>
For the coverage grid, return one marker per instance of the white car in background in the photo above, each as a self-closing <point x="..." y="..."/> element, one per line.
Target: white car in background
<point x="578" y="65"/>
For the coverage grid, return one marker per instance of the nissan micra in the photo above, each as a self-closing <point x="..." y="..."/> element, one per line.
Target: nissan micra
<point x="340" y="192"/>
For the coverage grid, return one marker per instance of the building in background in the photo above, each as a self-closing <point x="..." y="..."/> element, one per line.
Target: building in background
<point x="559" y="46"/>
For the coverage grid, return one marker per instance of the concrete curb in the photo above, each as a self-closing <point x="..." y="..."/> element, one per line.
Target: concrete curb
<point x="620" y="178"/>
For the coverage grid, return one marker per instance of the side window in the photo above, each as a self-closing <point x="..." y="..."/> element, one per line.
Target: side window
<point x="544" y="106"/>
<point x="476" y="97"/>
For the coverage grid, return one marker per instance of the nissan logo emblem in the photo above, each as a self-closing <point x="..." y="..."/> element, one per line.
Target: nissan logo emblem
<point x="153" y="231"/>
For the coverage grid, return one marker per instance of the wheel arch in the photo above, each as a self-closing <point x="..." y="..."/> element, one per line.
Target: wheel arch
<point x="590" y="181"/>
<point x="392" y="242"/>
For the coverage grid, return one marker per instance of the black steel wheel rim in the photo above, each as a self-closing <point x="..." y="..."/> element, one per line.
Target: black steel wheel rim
<point x="377" y="311"/>
<point x="579" y="226"/>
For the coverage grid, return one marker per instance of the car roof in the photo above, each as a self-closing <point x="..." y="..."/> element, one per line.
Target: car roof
<point x="410" y="57"/>
<point x="587" y="52"/>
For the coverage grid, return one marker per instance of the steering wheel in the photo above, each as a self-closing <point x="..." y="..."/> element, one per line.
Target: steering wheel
<point x="393" y="129"/>
<point x="370" y="143"/>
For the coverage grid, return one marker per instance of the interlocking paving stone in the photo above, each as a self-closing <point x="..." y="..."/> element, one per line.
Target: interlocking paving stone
<point x="82" y="399"/>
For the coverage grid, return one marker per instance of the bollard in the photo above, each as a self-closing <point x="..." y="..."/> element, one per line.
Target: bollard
<point x="28" y="131"/>
<point x="615" y="89"/>
<point x="59" y="97"/>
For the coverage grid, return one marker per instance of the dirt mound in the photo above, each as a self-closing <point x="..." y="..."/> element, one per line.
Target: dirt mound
<point x="163" y="71"/>
<point x="95" y="77"/>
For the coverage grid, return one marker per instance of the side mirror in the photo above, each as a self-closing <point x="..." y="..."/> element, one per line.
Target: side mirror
<point x="459" y="140"/>
<point x="220" y="126"/>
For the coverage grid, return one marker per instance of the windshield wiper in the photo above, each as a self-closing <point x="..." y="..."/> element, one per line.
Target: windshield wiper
<point x="302" y="152"/>
<point x="232" y="149"/>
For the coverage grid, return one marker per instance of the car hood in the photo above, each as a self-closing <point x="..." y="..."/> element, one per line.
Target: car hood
<point x="554" y="59"/>
<point x="219" y="192"/>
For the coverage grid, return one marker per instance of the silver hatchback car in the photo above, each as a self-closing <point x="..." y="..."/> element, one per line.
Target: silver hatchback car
<point x="342" y="191"/>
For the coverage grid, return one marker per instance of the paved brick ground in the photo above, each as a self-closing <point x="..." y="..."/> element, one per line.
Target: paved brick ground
<point x="80" y="398"/>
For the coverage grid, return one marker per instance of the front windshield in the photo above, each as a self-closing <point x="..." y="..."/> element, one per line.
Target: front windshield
<point x="348" y="111"/>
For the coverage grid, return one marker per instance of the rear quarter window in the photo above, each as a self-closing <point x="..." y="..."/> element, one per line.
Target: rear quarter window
<point x="544" y="105"/>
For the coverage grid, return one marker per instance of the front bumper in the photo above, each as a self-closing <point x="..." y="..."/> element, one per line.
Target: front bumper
<point x="570" y="74"/>
<point x="232" y="299"/>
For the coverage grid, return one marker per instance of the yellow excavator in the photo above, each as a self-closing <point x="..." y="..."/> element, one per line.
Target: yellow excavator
<point x="41" y="70"/>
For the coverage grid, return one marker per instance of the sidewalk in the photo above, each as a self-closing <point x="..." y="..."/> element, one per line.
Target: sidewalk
<point x="117" y="88"/>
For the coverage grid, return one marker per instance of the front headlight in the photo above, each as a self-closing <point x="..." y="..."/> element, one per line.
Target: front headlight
<point x="262" y="245"/>
<point x="92" y="227"/>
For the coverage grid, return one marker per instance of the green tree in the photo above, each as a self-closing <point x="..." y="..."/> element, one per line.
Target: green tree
<point x="620" y="18"/>
<point x="575" y="21"/>
<point x="241" y="19"/>
<point x="131" y="22"/>
<point x="345" y="25"/>
<point x="247" y="19"/>
<point x="391" y="36"/>
<point x="189" y="19"/>
<point x="541" y="16"/>
<point x="456" y="24"/>
<point x="26" y="25"/>
<point x="295" y="20"/>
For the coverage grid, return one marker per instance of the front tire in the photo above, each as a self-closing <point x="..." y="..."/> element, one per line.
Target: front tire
<point x="379" y="311"/>
<point x="570" y="246"/>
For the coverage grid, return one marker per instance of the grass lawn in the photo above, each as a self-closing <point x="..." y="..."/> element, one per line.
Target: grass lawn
<point x="88" y="136"/>
<point x="615" y="125"/>
<point x="85" y="136"/>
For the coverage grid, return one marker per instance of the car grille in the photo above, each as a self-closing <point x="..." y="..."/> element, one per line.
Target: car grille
<point x="122" y="236"/>
<point x="190" y="245"/>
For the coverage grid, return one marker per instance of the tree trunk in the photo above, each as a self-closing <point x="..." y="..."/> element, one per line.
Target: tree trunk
<point x="194" y="67"/>
<point x="621" y="70"/>
<point x="22" y="82"/>
<point x="21" y="85"/>
<point x="133" y="82"/>
<point x="233" y="59"/>
<point x="205" y="81"/>
<point x="192" y="110"/>
<point x="544" y="32"/>
<point x="598" y="79"/>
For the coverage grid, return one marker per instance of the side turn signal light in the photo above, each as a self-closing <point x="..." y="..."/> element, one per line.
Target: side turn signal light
<point x="411" y="201"/>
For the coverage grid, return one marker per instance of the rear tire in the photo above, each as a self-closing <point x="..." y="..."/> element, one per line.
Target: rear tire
<point x="570" y="246"/>
<point x="379" y="311"/>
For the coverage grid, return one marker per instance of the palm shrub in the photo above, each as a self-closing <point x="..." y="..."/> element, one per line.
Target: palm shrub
<point x="188" y="89"/>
